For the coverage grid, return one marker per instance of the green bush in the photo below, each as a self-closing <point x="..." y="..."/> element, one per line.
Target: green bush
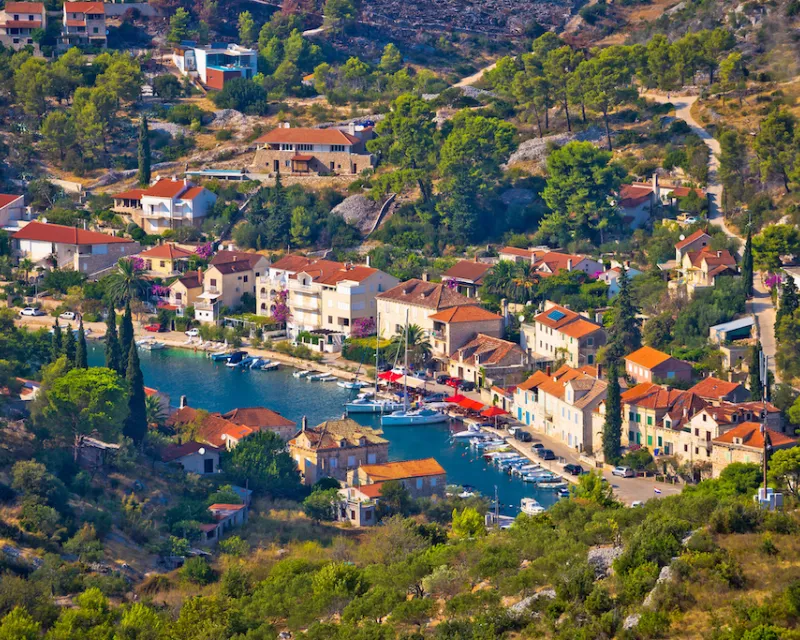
<point x="735" y="518"/>
<point x="197" y="571"/>
<point x="185" y="114"/>
<point x="223" y="134"/>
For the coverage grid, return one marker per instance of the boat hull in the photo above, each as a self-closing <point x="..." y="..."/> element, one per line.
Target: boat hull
<point x="352" y="407"/>
<point x="408" y="419"/>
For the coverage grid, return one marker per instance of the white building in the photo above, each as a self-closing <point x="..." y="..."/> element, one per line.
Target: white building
<point x="13" y="211"/>
<point x="215" y="64"/>
<point x="559" y="333"/>
<point x="611" y="277"/>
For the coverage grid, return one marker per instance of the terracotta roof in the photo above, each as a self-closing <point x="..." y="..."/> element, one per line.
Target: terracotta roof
<point x="330" y="272"/>
<point x="302" y="157"/>
<point x="566" y="321"/>
<point x="689" y="240"/>
<point x="403" y="469"/>
<point x="329" y="434"/>
<point x="174" y="451"/>
<point x="23" y="24"/>
<point x="684" y="406"/>
<point x="45" y="232"/>
<point x="167" y="250"/>
<point x="488" y="350"/>
<point x="84" y="7"/>
<point x="371" y="491"/>
<point x="24" y="7"/>
<point x="648" y="357"/>
<point x="533" y="381"/>
<point x="213" y="429"/>
<point x="431" y="295"/>
<point x="224" y="257"/>
<point x="192" y="193"/>
<point x="467" y="270"/>
<point x="749" y="434"/>
<point x="132" y="194"/>
<point x="554" y="386"/>
<point x="715" y="388"/>
<point x="652" y="396"/>
<point x="76" y="23"/>
<point x="711" y="257"/>
<point x="465" y="313"/>
<point x="166" y="188"/>
<point x="632" y="195"/>
<point x="682" y="192"/>
<point x="258" y="417"/>
<point x="221" y="506"/>
<point x="300" y="135"/>
<point x="293" y="263"/>
<point x="515" y="251"/>
<point x="556" y="261"/>
<point x="6" y="199"/>
<point x="191" y="280"/>
<point x="233" y="267"/>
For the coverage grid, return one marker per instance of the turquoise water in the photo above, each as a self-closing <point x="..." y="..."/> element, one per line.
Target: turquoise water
<point x="214" y="387"/>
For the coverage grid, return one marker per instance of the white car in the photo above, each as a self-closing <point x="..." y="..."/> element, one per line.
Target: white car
<point x="67" y="315"/>
<point x="623" y="472"/>
<point x="193" y="333"/>
<point x="31" y="311"/>
<point x="636" y="504"/>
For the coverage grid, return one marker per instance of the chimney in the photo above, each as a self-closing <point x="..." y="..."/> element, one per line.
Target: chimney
<point x="655" y="184"/>
<point x="200" y="275"/>
<point x="425" y="276"/>
<point x="719" y="254"/>
<point x="351" y="128"/>
<point x="367" y="259"/>
<point x="476" y="256"/>
<point x="174" y="179"/>
<point x="184" y="402"/>
<point x="569" y="264"/>
<point x="303" y="423"/>
<point x="547" y="370"/>
<point x="599" y="371"/>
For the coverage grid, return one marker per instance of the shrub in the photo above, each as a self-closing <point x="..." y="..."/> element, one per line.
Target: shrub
<point x="185" y="114"/>
<point x="223" y="134"/>
<point x="197" y="571"/>
<point x="768" y="545"/>
<point x="652" y="624"/>
<point x="234" y="546"/>
<point x="735" y="518"/>
<point x="639" y="582"/>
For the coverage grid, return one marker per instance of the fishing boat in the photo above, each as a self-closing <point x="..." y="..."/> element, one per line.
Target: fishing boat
<point x="220" y="356"/>
<point x="150" y="345"/>
<point x="531" y="507"/>
<point x="236" y="358"/>
<point x="302" y="373"/>
<point x="563" y="493"/>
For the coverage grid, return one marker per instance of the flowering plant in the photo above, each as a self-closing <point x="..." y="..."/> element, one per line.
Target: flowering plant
<point x="773" y="280"/>
<point x="363" y="327"/>
<point x="137" y="263"/>
<point x="205" y="250"/>
<point x="160" y="290"/>
<point x="280" y="311"/>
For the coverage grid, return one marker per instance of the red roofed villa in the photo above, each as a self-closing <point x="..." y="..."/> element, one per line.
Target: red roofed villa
<point x="84" y="23"/>
<point x="18" y="20"/>
<point x="745" y="443"/>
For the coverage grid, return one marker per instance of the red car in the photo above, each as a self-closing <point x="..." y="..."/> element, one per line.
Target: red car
<point x="155" y="328"/>
<point x="454" y="382"/>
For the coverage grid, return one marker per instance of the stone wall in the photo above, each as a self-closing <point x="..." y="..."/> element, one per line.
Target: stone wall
<point x="89" y="264"/>
<point x="343" y="163"/>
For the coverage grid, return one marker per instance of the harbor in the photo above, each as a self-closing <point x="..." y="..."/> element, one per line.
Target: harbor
<point x="212" y="386"/>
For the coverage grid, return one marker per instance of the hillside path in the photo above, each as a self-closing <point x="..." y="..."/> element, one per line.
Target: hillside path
<point x="761" y="303"/>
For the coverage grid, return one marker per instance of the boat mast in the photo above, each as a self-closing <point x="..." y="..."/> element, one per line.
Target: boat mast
<point x="377" y="349"/>
<point x="405" y="370"/>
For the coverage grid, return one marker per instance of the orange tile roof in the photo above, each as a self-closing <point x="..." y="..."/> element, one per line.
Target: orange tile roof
<point x="212" y="428"/>
<point x="714" y="388"/>
<point x="259" y="417"/>
<point x="292" y="263"/>
<point x="653" y="396"/>
<point x="695" y="236"/>
<point x="431" y="295"/>
<point x="648" y="357"/>
<point x="132" y="194"/>
<point x="167" y="188"/>
<point x="300" y="135"/>
<point x="556" y="261"/>
<point x="372" y="491"/>
<point x="468" y="270"/>
<point x="46" y="232"/>
<point x="567" y="321"/>
<point x="192" y="193"/>
<point x="403" y="469"/>
<point x="84" y="7"/>
<point x="533" y="381"/>
<point x="221" y="506"/>
<point x="167" y="250"/>
<point x="489" y="351"/>
<point x="76" y="23"/>
<point x="465" y="313"/>
<point x="555" y="385"/>
<point x="23" y="24"/>
<point x="750" y="435"/>
<point x="226" y="257"/>
<point x="632" y="195"/>
<point x="6" y="199"/>
<point x="24" y="7"/>
<point x="515" y="251"/>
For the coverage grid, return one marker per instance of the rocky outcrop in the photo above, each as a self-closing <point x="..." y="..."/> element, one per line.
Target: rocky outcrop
<point x="601" y="560"/>
<point x="358" y="211"/>
<point x="535" y="149"/>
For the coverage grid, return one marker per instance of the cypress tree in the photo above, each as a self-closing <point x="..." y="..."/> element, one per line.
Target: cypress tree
<point x="789" y="302"/>
<point x="81" y="357"/>
<point x="747" y="264"/>
<point x="756" y="388"/>
<point x="612" y="427"/>
<point x="125" y="337"/>
<point x="135" y="426"/>
<point x="144" y="154"/>
<point x="626" y="334"/>
<point x="57" y="345"/>
<point x="113" y="356"/>
<point x="70" y="346"/>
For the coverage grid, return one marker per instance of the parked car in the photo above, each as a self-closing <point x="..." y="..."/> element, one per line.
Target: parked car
<point x="442" y="378"/>
<point x="637" y="503"/>
<point x="31" y="311"/>
<point x="455" y="383"/>
<point x="435" y="397"/>
<point x="546" y="454"/>
<point x="67" y="315"/>
<point x="193" y="333"/>
<point x="623" y="472"/>
<point x="536" y="446"/>
<point x="419" y="375"/>
<point x="155" y="328"/>
<point x="522" y="436"/>
<point x="468" y="385"/>
<point x="573" y="469"/>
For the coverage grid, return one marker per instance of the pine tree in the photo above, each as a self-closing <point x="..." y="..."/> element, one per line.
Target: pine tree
<point x="756" y="388"/>
<point x="626" y="334"/>
<point x="789" y="302"/>
<point x="125" y="337"/>
<point x="81" y="356"/>
<point x="113" y="356"/>
<point x="135" y="426"/>
<point x="57" y="345"/>
<point x="70" y="346"/>
<point x="612" y="427"/>
<point x="144" y="154"/>
<point x="747" y="264"/>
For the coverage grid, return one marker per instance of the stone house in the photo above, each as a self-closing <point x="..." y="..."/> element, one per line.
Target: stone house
<point x="487" y="360"/>
<point x="467" y="276"/>
<point x="745" y="443"/>
<point x="422" y="478"/>
<point x="647" y="406"/>
<point x="649" y="365"/>
<point x="334" y="447"/>
<point x="454" y="327"/>
<point x="195" y="457"/>
<point x="559" y="333"/>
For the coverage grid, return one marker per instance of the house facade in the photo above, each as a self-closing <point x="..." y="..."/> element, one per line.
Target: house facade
<point x="168" y="203"/>
<point x="454" y="327"/>
<point x="166" y="259"/>
<point x="745" y="443"/>
<point x="186" y="289"/>
<point x="215" y="64"/>
<point x="195" y="457"/>
<point x="84" y="23"/>
<point x="13" y="211"/>
<point x="702" y="268"/>
<point x="560" y="334"/>
<point x="714" y="389"/>
<point x="18" y="21"/>
<point x="422" y="478"/>
<point x="335" y="447"/>
<point x="611" y="277"/>
<point x="226" y="517"/>
<point x="650" y="365"/>
<point x="89" y="252"/>
<point x="230" y="275"/>
<point x="467" y="276"/>
<point x="488" y="360"/>
<point x="303" y="151"/>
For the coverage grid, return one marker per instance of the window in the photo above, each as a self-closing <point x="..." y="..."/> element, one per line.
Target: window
<point x="330" y="320"/>
<point x="589" y="342"/>
<point x="337" y="148"/>
<point x="659" y="441"/>
<point x="94" y="30"/>
<point x="697" y="433"/>
<point x="305" y="147"/>
<point x="705" y="417"/>
<point x="686" y="448"/>
<point x="287" y="163"/>
<point x="351" y="461"/>
<point x="631" y="416"/>
<point x="334" y="463"/>
<point x="650" y="420"/>
<point x="696" y="451"/>
<point x="632" y="436"/>
<point x="162" y="263"/>
<point x="708" y="436"/>
<point x="208" y="466"/>
<point x="419" y="483"/>
<point x="649" y="441"/>
<point x="670" y="374"/>
<point x="245" y="279"/>
<point x="178" y="296"/>
<point x="433" y="481"/>
<point x="371" y="458"/>
<point x="638" y="417"/>
<point x="213" y="282"/>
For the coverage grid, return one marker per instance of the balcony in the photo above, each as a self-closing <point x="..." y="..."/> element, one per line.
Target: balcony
<point x="437" y="334"/>
<point x="305" y="289"/>
<point x="304" y="302"/>
<point x="204" y="306"/>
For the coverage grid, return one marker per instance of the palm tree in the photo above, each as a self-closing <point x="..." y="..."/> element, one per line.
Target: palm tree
<point x="25" y="266"/>
<point x="127" y="282"/>
<point x="496" y="282"/>
<point x="154" y="410"/>
<point x="522" y="287"/>
<point x="419" y="346"/>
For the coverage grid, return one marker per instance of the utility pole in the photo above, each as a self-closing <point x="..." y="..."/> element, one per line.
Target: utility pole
<point x="764" y="362"/>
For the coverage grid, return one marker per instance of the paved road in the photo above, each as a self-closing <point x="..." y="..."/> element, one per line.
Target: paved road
<point x="761" y="304"/>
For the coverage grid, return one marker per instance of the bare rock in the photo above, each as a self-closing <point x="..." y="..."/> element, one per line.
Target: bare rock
<point x="631" y="621"/>
<point x="535" y="149"/>
<point x="358" y="211"/>
<point x="602" y="558"/>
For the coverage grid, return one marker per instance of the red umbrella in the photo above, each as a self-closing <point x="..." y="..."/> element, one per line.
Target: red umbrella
<point x="469" y="403"/>
<point x="456" y="399"/>
<point x="491" y="412"/>
<point x="390" y="376"/>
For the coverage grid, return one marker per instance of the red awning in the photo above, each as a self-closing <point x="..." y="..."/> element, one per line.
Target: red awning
<point x="469" y="403"/>
<point x="456" y="399"/>
<point x="299" y="157"/>
<point x="491" y="412"/>
<point x="390" y="376"/>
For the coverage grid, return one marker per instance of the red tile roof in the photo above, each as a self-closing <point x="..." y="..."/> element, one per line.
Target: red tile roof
<point x="467" y="270"/>
<point x="23" y="24"/>
<point x="715" y="388"/>
<point x="516" y="251"/>
<point x="175" y="451"/>
<point x="749" y="435"/>
<point x="44" y="232"/>
<point x="566" y="321"/>
<point x="695" y="236"/>
<point x="465" y="313"/>
<point x="84" y="7"/>
<point x="300" y="135"/>
<point x="6" y="199"/>
<point x="372" y="491"/>
<point x="167" y="188"/>
<point x="24" y="7"/>
<point x="431" y="295"/>
<point x="226" y="257"/>
<point x="556" y="261"/>
<point x="213" y="428"/>
<point x="258" y="418"/>
<point x="167" y="251"/>
<point x="648" y="357"/>
<point x="293" y="263"/>
<point x="192" y="193"/>
<point x="632" y="195"/>
<point x="131" y="194"/>
<point x="489" y="351"/>
<point x="301" y="157"/>
<point x="332" y="433"/>
<point x="76" y="23"/>
<point x="403" y="469"/>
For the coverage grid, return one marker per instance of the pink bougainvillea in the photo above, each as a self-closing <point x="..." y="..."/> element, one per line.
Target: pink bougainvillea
<point x="137" y="262"/>
<point x="363" y="327"/>
<point x="280" y="310"/>
<point x="773" y="280"/>
<point x="451" y="284"/>
<point x="160" y="290"/>
<point x="205" y="251"/>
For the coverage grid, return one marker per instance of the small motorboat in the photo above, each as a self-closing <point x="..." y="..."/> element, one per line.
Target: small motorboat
<point x="553" y="486"/>
<point x="369" y="404"/>
<point x="151" y="345"/>
<point x="236" y="358"/>
<point x="353" y="384"/>
<point x="473" y="431"/>
<point x="531" y="507"/>
<point x="244" y="363"/>
<point x="302" y="373"/>
<point x="267" y="365"/>
<point x="220" y="356"/>
<point x="321" y="377"/>
<point x="563" y="493"/>
<point x="413" y="417"/>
